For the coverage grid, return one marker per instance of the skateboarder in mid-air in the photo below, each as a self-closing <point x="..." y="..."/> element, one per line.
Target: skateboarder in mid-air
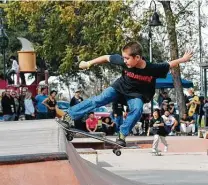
<point x="136" y="85"/>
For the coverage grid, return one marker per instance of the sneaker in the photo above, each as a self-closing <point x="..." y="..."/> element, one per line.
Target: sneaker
<point x="67" y="121"/>
<point x="121" y="140"/>
<point x="155" y="150"/>
<point x="115" y="134"/>
<point x="166" y="149"/>
<point x="172" y="133"/>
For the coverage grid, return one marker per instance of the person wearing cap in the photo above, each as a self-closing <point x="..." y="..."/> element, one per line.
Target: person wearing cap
<point x="76" y="99"/>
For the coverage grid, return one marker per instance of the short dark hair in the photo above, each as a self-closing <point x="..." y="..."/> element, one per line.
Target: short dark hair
<point x="42" y="89"/>
<point x="53" y="91"/>
<point x="135" y="47"/>
<point x="13" y="58"/>
<point x="158" y="112"/>
<point x="91" y="113"/>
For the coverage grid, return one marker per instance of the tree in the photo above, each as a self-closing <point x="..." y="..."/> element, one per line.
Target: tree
<point x="171" y="21"/>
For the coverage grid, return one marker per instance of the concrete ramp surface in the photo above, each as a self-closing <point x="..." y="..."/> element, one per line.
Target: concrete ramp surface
<point x="37" y="153"/>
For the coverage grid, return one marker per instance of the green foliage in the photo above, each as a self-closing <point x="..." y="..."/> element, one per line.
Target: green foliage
<point x="63" y="30"/>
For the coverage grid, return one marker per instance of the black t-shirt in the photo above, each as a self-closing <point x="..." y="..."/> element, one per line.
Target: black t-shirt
<point x="75" y="101"/>
<point x="158" y="130"/>
<point x="136" y="82"/>
<point x="189" y="119"/>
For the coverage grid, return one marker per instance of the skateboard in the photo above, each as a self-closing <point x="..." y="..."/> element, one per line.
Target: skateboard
<point x="72" y="131"/>
<point x="193" y="106"/>
<point x="158" y="153"/>
<point x="203" y="133"/>
<point x="59" y="112"/>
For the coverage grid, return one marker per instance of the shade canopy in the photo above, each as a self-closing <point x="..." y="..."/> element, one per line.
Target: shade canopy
<point x="168" y="82"/>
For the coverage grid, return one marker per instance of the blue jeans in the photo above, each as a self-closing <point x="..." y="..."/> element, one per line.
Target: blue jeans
<point x="107" y="96"/>
<point x="195" y="117"/>
<point x="9" y="117"/>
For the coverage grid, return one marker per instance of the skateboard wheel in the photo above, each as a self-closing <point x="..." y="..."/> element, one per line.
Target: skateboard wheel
<point x="70" y="138"/>
<point x="118" y="152"/>
<point x="114" y="150"/>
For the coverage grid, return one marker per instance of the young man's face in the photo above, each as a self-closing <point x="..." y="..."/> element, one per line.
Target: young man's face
<point x="167" y="113"/>
<point x="129" y="60"/>
<point x="44" y="92"/>
<point x="184" y="116"/>
<point x="91" y="116"/>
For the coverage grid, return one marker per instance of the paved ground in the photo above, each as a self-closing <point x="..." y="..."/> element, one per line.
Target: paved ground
<point x="172" y="168"/>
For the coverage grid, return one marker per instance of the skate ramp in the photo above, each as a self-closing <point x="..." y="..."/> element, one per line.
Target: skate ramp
<point x="36" y="152"/>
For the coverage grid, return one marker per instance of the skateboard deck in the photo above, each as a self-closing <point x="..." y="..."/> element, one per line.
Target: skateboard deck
<point x="193" y="106"/>
<point x="203" y="133"/>
<point x="73" y="131"/>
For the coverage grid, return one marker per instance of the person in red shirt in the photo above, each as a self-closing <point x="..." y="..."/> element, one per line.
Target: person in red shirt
<point x="91" y="122"/>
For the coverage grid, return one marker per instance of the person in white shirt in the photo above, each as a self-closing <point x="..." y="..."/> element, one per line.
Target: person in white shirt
<point x="14" y="70"/>
<point x="170" y="123"/>
<point x="29" y="107"/>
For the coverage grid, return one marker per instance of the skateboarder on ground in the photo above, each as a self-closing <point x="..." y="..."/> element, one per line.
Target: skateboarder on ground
<point x="137" y="85"/>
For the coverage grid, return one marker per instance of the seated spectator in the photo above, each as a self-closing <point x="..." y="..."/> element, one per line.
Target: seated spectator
<point x="91" y="122"/>
<point x="172" y="109"/>
<point x="187" y="124"/>
<point x="170" y="123"/>
<point x="164" y="107"/>
<point x="108" y="126"/>
<point x="158" y="130"/>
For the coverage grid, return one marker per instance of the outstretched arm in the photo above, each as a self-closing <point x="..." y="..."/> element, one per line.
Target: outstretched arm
<point x="186" y="57"/>
<point x="99" y="60"/>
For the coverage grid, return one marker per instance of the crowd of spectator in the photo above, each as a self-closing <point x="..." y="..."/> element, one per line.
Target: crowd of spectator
<point x="22" y="106"/>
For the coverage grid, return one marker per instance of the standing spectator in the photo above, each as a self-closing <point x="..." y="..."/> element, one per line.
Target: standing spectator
<point x="201" y="111"/>
<point x="76" y="99"/>
<point x="166" y="97"/>
<point x="91" y="122"/>
<point x="8" y="107"/>
<point x="193" y="99"/>
<point x="51" y="104"/>
<point x="205" y="109"/>
<point x="42" y="112"/>
<point x="108" y="126"/>
<point x="160" y="97"/>
<point x="22" y="98"/>
<point x="17" y="104"/>
<point x="158" y="130"/>
<point x="187" y="124"/>
<point x="29" y="107"/>
<point x="170" y="123"/>
<point x="15" y="70"/>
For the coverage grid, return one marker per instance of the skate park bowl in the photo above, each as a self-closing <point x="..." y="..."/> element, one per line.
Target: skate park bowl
<point x="37" y="152"/>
